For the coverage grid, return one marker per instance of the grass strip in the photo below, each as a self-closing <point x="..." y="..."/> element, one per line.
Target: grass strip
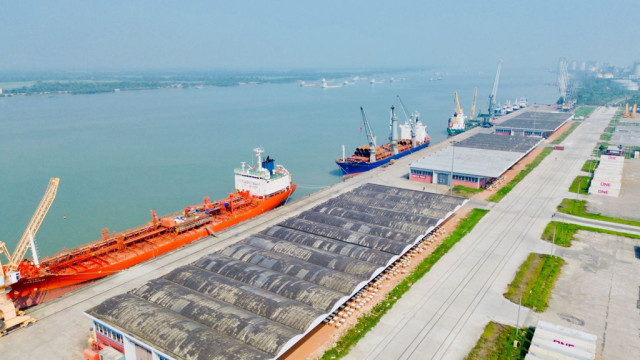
<point x="565" y="232"/>
<point x="564" y="135"/>
<point x="507" y="188"/>
<point x="370" y="319"/>
<point x="496" y="342"/>
<point x="580" y="185"/>
<point x="584" y="111"/>
<point x="577" y="208"/>
<point x="590" y="165"/>
<point x="465" y="192"/>
<point x="534" y="281"/>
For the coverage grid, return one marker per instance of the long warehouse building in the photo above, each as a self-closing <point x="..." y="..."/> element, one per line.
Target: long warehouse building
<point x="257" y="298"/>
<point x="533" y="123"/>
<point x="474" y="162"/>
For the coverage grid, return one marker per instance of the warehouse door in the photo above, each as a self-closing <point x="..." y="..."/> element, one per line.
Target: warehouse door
<point x="443" y="178"/>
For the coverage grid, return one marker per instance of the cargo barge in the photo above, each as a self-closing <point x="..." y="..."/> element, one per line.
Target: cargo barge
<point x="257" y="190"/>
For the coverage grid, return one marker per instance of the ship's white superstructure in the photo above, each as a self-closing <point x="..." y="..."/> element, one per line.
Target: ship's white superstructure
<point x="420" y="128"/>
<point x="263" y="180"/>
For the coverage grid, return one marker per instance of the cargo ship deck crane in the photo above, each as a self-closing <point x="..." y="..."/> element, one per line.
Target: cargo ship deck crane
<point x="370" y="136"/>
<point x="10" y="274"/>
<point x="473" y="105"/>
<point x="492" y="97"/>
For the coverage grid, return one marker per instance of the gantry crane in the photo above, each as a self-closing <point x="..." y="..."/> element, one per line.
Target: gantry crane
<point x="10" y="274"/>
<point x="473" y="105"/>
<point x="370" y="136"/>
<point x="632" y="114"/>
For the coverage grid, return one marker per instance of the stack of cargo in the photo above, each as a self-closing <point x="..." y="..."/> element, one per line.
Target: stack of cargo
<point x="607" y="179"/>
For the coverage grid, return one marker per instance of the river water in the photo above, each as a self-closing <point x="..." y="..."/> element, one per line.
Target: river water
<point x="119" y="155"/>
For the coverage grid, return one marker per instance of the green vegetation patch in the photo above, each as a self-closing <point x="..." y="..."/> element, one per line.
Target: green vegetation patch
<point x="367" y="321"/>
<point x="584" y="111"/>
<point x="508" y="187"/>
<point x="564" y="135"/>
<point x="565" y="232"/>
<point x="534" y="281"/>
<point x="577" y="208"/>
<point x="606" y="136"/>
<point x="580" y="185"/>
<point x="590" y="165"/>
<point x="465" y="192"/>
<point x="496" y="343"/>
<point x="594" y="91"/>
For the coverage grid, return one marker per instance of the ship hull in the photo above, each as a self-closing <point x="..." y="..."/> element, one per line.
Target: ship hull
<point x="35" y="290"/>
<point x="353" y="168"/>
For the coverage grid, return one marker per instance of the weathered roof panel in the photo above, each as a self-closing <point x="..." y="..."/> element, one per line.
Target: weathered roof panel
<point x="256" y="298"/>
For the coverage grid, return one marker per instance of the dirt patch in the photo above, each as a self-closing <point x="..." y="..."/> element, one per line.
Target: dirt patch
<point x="560" y="131"/>
<point x="326" y="335"/>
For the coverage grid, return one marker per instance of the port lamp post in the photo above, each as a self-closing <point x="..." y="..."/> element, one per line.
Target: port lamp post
<point x="453" y="156"/>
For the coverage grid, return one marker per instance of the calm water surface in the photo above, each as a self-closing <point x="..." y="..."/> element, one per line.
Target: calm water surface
<point x="120" y="155"/>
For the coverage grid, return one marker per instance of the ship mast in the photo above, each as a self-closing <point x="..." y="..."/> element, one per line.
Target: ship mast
<point x="259" y="151"/>
<point x="393" y="136"/>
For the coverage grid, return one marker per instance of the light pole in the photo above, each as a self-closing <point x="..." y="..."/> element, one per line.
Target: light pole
<point x="553" y="243"/>
<point x="518" y="318"/>
<point x="453" y="156"/>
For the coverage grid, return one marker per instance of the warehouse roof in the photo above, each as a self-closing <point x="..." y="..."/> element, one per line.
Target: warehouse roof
<point x="545" y="121"/>
<point x="469" y="161"/>
<point x="499" y="142"/>
<point x="255" y="299"/>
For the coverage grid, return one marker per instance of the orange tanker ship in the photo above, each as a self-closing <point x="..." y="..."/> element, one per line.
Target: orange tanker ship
<point x="257" y="190"/>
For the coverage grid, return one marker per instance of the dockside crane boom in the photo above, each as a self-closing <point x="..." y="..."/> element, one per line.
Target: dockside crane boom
<point x="473" y="105"/>
<point x="458" y="108"/>
<point x="492" y="96"/>
<point x="34" y="224"/>
<point x="9" y="273"/>
<point x="370" y="136"/>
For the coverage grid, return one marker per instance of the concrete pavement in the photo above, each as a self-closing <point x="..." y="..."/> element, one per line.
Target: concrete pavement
<point x="445" y="312"/>
<point x="597" y="223"/>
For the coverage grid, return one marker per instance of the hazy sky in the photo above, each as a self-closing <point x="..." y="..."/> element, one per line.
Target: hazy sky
<point x="327" y="34"/>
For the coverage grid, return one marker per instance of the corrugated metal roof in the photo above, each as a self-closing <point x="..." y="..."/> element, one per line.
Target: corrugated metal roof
<point x="255" y="299"/>
<point x="544" y="121"/>
<point x="500" y="142"/>
<point x="468" y="161"/>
